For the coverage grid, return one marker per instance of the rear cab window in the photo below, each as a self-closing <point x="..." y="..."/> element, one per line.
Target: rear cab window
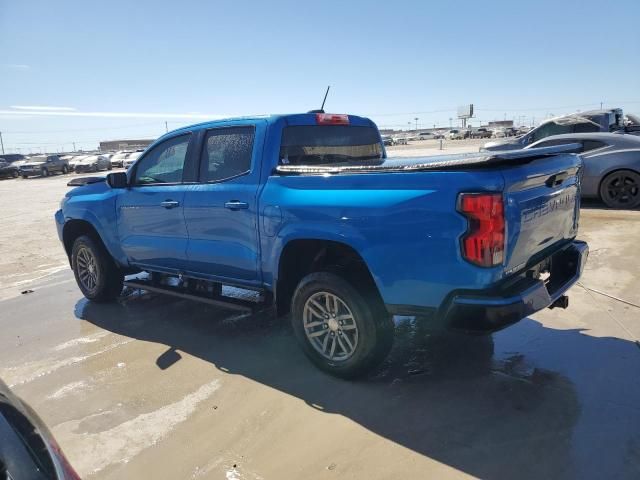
<point x="330" y="145"/>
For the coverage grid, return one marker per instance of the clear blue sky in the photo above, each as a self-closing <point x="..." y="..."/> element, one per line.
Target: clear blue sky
<point x="386" y="60"/>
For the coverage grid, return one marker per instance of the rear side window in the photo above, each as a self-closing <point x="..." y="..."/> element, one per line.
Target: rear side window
<point x="586" y="127"/>
<point x="330" y="145"/>
<point x="227" y="153"/>
<point x="592" y="145"/>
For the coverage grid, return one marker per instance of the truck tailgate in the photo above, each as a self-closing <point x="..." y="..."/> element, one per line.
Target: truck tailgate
<point x="542" y="207"/>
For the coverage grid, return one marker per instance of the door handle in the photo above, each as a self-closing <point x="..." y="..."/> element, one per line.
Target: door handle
<point x="169" y="204"/>
<point x="236" y="205"/>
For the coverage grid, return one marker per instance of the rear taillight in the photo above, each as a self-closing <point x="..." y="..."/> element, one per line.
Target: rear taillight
<point x="483" y="244"/>
<point x="332" y="119"/>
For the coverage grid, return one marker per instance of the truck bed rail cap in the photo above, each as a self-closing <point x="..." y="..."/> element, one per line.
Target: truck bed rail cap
<point x="436" y="162"/>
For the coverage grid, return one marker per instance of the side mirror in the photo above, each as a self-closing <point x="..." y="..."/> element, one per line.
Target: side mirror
<point x="117" y="180"/>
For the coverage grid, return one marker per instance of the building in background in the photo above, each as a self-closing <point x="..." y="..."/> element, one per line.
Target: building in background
<point x="114" y="145"/>
<point x="500" y="124"/>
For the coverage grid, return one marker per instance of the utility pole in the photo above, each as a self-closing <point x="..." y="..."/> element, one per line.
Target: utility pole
<point x="166" y="127"/>
<point x="409" y="128"/>
<point x="416" y="119"/>
<point x="1" y="143"/>
<point x="600" y="105"/>
<point x="74" y="146"/>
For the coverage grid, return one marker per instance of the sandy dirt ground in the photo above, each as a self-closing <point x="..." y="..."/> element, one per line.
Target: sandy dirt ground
<point x="156" y="387"/>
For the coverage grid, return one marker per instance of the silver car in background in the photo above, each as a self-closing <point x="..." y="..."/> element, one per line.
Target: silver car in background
<point x="93" y="163"/>
<point x="611" y="165"/>
<point x="131" y="159"/>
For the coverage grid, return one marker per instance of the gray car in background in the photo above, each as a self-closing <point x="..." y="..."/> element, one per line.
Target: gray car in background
<point x="583" y="122"/>
<point x="611" y="165"/>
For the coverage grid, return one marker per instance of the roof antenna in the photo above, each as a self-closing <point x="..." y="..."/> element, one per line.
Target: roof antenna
<point x="323" y="100"/>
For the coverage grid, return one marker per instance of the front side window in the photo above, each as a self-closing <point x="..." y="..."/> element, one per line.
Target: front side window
<point x="227" y="153"/>
<point x="163" y="164"/>
<point x="330" y="145"/>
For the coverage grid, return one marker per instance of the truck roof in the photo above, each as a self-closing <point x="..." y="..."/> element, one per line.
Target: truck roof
<point x="308" y="118"/>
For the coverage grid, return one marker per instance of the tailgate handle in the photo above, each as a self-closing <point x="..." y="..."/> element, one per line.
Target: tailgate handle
<point x="557" y="179"/>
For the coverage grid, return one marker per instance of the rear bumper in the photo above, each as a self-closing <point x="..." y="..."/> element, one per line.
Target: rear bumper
<point x="497" y="308"/>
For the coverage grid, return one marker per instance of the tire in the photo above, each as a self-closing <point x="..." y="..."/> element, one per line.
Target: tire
<point x="621" y="189"/>
<point x="109" y="167"/>
<point x="368" y="328"/>
<point x="101" y="282"/>
<point x="15" y="174"/>
<point x="25" y="176"/>
<point x="65" y="169"/>
<point x="44" y="172"/>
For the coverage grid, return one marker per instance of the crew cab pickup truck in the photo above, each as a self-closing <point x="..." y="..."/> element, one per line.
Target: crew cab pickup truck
<point x="308" y="212"/>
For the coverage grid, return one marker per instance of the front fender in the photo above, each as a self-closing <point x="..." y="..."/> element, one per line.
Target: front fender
<point x="99" y="210"/>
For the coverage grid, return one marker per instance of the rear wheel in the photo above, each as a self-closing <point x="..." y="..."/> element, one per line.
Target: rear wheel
<point x="621" y="189"/>
<point x="65" y="169"/>
<point x="25" y="176"/>
<point x="96" y="273"/>
<point x="44" y="172"/>
<point x="15" y="174"/>
<point x="343" y="331"/>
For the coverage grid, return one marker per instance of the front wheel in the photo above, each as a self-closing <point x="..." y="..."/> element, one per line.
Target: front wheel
<point x="343" y="331"/>
<point x="65" y="169"/>
<point x="15" y="174"/>
<point x="96" y="274"/>
<point x="621" y="189"/>
<point x="44" y="172"/>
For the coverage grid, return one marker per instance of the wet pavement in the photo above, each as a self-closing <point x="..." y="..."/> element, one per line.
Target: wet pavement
<point x="156" y="387"/>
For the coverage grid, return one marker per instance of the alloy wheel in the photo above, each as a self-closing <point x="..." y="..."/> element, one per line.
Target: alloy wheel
<point x="330" y="326"/>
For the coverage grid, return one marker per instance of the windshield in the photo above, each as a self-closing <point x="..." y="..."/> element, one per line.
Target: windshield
<point x="329" y="145"/>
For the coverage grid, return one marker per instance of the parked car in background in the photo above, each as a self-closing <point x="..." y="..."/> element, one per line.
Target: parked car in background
<point x="12" y="157"/>
<point x="584" y="122"/>
<point x="401" y="140"/>
<point x="425" y="136"/>
<point x="119" y="157"/>
<point x="388" y="141"/>
<point x="8" y="170"/>
<point x="510" y="131"/>
<point x="75" y="160"/>
<point x="497" y="133"/>
<point x="27" y="447"/>
<point x="438" y="135"/>
<point x="19" y="162"/>
<point x="481" y="133"/>
<point x="611" y="169"/>
<point x="455" y="134"/>
<point x="131" y="158"/>
<point x="93" y="163"/>
<point x="43" y="165"/>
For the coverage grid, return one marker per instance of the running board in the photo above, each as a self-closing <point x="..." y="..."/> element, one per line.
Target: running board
<point x="245" y="306"/>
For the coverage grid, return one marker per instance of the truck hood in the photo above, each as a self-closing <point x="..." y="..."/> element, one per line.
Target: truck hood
<point x="32" y="164"/>
<point x="437" y="162"/>
<point x="82" y="181"/>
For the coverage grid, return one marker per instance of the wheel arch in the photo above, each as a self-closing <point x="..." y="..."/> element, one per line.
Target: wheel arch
<point x="75" y="228"/>
<point x="609" y="172"/>
<point x="302" y="256"/>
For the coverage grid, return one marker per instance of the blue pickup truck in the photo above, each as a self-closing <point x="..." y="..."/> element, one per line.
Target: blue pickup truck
<point x="307" y="213"/>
